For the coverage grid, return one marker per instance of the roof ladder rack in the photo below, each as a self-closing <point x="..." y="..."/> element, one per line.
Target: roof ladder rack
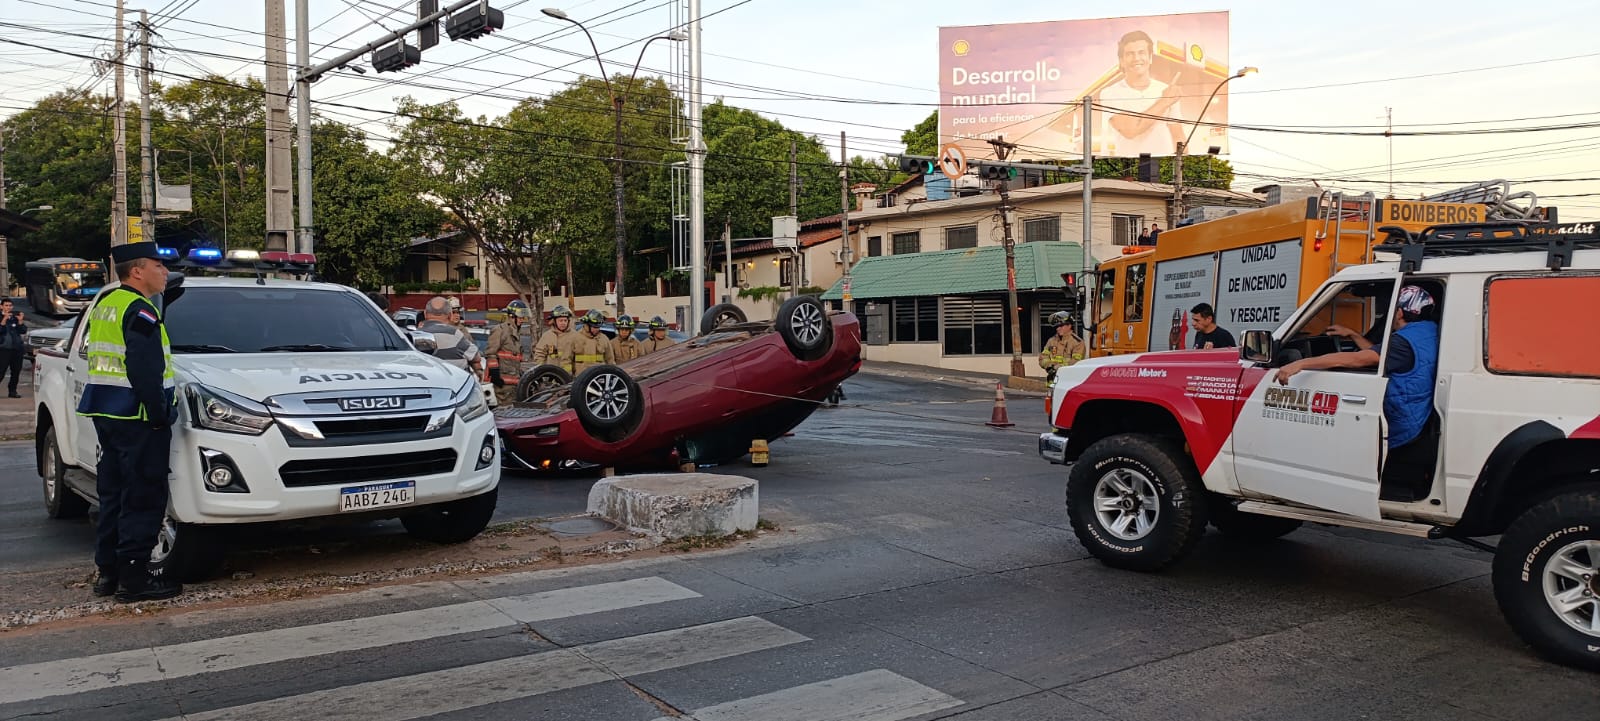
<point x="1559" y="241"/>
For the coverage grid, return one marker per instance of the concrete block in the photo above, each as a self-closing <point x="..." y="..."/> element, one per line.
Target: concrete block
<point x="678" y="505"/>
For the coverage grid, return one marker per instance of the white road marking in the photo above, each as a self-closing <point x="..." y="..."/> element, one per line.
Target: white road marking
<point x="876" y="695"/>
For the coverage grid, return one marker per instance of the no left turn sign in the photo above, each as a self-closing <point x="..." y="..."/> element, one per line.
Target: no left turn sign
<point x="952" y="162"/>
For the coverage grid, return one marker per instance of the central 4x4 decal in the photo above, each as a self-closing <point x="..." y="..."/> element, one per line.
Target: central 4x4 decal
<point x="1300" y="405"/>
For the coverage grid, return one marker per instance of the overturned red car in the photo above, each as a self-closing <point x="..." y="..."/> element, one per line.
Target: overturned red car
<point x="701" y="401"/>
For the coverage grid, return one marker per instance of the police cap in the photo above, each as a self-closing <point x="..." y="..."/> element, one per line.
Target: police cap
<point x="133" y="251"/>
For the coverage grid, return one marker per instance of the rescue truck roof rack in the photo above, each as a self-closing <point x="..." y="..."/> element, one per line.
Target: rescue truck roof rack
<point x="1559" y="240"/>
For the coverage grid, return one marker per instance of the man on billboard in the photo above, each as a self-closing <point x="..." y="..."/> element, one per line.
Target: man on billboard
<point x="1137" y="92"/>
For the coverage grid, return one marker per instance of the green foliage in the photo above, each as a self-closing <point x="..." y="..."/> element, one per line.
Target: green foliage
<point x="813" y="290"/>
<point x="367" y="211"/>
<point x="923" y="139"/>
<point x="762" y="292"/>
<point x="58" y="153"/>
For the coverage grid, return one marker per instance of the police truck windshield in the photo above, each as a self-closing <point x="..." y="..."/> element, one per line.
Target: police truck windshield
<point x="268" y="320"/>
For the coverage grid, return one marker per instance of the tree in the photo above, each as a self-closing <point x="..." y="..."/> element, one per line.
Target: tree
<point x="58" y="153"/>
<point x="367" y="210"/>
<point x="923" y="139"/>
<point x="219" y="126"/>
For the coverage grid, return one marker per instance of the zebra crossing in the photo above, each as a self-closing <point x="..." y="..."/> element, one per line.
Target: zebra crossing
<point x="339" y="670"/>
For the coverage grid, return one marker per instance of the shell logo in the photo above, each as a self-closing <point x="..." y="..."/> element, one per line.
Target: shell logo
<point x="1196" y="53"/>
<point x="961" y="48"/>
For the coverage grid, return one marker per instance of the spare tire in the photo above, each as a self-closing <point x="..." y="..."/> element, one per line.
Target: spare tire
<point x="541" y="378"/>
<point x="607" y="400"/>
<point x="803" y="322"/>
<point x="719" y="315"/>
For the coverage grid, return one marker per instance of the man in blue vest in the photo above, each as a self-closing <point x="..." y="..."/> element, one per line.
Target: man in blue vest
<point x="131" y="396"/>
<point x="1413" y="362"/>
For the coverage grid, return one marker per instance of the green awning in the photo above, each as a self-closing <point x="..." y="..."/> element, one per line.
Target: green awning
<point x="962" y="271"/>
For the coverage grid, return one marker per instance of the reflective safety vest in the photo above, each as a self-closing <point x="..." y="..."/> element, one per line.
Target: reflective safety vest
<point x="109" y="394"/>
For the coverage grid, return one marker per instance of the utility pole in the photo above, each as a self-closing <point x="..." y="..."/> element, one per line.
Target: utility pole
<point x="846" y="252"/>
<point x="1091" y="295"/>
<point x="5" y="250"/>
<point x="619" y="218"/>
<point x="727" y="255"/>
<point x="1001" y="150"/>
<point x="1177" y="187"/>
<point x="147" y="178"/>
<point x="280" y="179"/>
<point x="794" y="210"/>
<point x="1388" y="132"/>
<point x="119" y="147"/>
<point x="697" y="174"/>
<point x="302" y="96"/>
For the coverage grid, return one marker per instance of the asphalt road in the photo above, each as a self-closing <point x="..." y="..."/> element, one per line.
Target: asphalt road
<point x="925" y="570"/>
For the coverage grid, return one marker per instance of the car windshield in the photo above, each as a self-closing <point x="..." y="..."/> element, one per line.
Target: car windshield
<point x="265" y="319"/>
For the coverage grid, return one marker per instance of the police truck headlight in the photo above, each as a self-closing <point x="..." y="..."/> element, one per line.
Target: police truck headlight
<point x="220" y="410"/>
<point x="472" y="404"/>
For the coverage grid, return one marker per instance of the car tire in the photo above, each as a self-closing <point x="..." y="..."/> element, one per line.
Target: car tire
<point x="541" y="378"/>
<point x="1541" y="563"/>
<point x="719" y="315"/>
<point x="187" y="552"/>
<point x="607" y="400"/>
<point x="59" y="500"/>
<point x="452" y="521"/>
<point x="1166" y="511"/>
<point x="1250" y="527"/>
<point x="803" y="322"/>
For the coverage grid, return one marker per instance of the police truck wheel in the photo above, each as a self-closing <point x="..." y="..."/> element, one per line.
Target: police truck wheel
<point x="452" y="521"/>
<point x="719" y="315"/>
<point x="607" y="400"/>
<point x="186" y="552"/>
<point x="1250" y="527"/>
<point x="541" y="378"/>
<point x="59" y="500"/>
<point x="1136" y="502"/>
<point x="803" y="323"/>
<point x="1547" y="577"/>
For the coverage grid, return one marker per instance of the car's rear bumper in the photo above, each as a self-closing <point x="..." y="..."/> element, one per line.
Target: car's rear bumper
<point x="1053" y="447"/>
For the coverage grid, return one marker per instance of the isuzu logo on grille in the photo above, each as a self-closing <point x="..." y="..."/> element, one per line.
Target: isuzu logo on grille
<point x="372" y="403"/>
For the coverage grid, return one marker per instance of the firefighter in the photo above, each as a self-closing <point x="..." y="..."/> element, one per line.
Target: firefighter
<point x="505" y="355"/>
<point x="456" y="317"/>
<point x="586" y="347"/>
<point x="627" y="346"/>
<point x="658" y="337"/>
<point x="545" y="349"/>
<point x="1064" y="348"/>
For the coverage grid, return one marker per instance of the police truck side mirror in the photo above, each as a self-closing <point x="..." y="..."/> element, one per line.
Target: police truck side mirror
<point x="423" y="341"/>
<point x="1257" y="346"/>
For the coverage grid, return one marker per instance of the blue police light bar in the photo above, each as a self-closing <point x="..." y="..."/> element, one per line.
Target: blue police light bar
<point x="205" y="255"/>
<point x="167" y="253"/>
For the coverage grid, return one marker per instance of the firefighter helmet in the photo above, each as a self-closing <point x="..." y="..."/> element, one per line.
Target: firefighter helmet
<point x="657" y="323"/>
<point x="1060" y="318"/>
<point x="625" y="323"/>
<point x="560" y="312"/>
<point x="593" y="318"/>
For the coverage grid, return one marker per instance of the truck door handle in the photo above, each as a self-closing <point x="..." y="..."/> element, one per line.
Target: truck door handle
<point x="1358" y="400"/>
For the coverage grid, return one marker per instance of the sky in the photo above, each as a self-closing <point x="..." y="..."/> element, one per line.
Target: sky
<point x="870" y="68"/>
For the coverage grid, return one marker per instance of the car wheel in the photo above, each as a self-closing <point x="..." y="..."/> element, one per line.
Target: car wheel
<point x="1547" y="577"/>
<point x="719" y="315"/>
<point x="187" y="552"/>
<point x="608" y="401"/>
<point x="803" y="323"/>
<point x="452" y="521"/>
<point x="59" y="500"/>
<point x="1242" y="526"/>
<point x="1136" y="502"/>
<point x="541" y="378"/>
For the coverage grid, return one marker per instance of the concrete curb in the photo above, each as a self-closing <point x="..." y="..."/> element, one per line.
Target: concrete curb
<point x="1033" y="385"/>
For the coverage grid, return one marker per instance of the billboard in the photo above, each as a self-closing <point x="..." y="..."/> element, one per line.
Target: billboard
<point x="1024" y="82"/>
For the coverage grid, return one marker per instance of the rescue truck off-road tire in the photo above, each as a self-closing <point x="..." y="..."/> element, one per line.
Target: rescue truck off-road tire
<point x="1163" y="444"/>
<point x="297" y="400"/>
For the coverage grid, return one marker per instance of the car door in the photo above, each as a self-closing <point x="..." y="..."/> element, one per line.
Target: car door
<point x="1318" y="439"/>
<point x="85" y="442"/>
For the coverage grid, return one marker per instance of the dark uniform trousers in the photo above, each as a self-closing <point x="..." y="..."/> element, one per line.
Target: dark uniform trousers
<point x="132" y="484"/>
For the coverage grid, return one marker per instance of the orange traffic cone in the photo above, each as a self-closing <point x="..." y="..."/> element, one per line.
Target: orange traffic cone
<point x="999" y="419"/>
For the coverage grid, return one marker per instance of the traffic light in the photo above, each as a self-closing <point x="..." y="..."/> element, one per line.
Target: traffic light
<point x="917" y="164"/>
<point x="475" y="22"/>
<point x="996" y="172"/>
<point x="398" y="56"/>
<point x="427" y="35"/>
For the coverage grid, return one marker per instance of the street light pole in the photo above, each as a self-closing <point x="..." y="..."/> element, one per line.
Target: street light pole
<point x="1183" y="147"/>
<point x="619" y="220"/>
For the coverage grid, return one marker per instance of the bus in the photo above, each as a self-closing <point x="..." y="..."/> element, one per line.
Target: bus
<point x="63" y="286"/>
<point x="1254" y="268"/>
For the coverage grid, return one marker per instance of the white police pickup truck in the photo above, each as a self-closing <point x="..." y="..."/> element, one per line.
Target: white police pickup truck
<point x="297" y="400"/>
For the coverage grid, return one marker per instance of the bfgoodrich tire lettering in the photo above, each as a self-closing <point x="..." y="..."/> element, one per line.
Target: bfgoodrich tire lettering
<point x="1540" y="564"/>
<point x="1177" y="521"/>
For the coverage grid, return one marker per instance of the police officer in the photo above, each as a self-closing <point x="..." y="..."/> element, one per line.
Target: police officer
<point x="505" y="352"/>
<point x="627" y="346"/>
<point x="131" y="397"/>
<point x="587" y="347"/>
<point x="1064" y="348"/>
<point x="545" y="349"/>
<point x="658" y="337"/>
<point x="454" y="346"/>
